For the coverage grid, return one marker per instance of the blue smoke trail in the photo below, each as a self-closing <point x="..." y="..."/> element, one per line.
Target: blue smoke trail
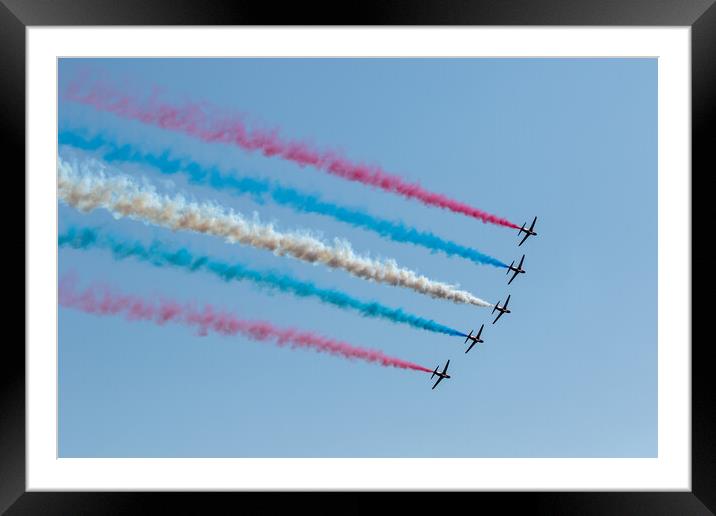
<point x="258" y="189"/>
<point x="161" y="255"/>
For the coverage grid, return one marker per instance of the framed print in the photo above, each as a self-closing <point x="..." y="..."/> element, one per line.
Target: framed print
<point x="435" y="250"/>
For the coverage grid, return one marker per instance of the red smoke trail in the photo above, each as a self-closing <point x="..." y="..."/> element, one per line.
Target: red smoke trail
<point x="100" y="300"/>
<point x="195" y="120"/>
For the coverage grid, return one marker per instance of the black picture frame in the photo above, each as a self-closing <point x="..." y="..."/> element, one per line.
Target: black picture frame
<point x="700" y="15"/>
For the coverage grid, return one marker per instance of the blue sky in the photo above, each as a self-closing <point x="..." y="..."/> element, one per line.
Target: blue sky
<point x="572" y="372"/>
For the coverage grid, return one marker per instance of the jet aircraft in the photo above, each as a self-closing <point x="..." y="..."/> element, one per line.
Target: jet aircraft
<point x="502" y="309"/>
<point x="475" y="339"/>
<point x="441" y="374"/>
<point x="517" y="270"/>
<point x="528" y="232"/>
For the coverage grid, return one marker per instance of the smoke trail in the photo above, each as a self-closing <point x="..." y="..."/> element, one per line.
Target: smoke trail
<point x="204" y="122"/>
<point x="161" y="255"/>
<point x="284" y="196"/>
<point x="93" y="189"/>
<point x="102" y="301"/>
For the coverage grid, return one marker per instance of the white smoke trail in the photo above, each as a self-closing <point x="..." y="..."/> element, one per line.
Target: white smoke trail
<point x="87" y="186"/>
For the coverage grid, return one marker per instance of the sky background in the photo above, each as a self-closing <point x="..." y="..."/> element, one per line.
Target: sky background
<point x="572" y="372"/>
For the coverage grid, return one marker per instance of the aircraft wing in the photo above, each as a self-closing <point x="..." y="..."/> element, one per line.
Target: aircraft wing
<point x="446" y="366"/>
<point x="436" y="383"/>
<point x="471" y="345"/>
<point x="533" y="224"/>
<point x="523" y="240"/>
<point x="513" y="277"/>
<point x="522" y="260"/>
<point x="498" y="316"/>
<point x="507" y="301"/>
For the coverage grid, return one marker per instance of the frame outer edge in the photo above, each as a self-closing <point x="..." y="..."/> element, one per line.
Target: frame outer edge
<point x="12" y="102"/>
<point x="703" y="394"/>
<point x="12" y="363"/>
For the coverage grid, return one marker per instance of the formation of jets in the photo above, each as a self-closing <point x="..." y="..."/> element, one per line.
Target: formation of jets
<point x="477" y="338"/>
